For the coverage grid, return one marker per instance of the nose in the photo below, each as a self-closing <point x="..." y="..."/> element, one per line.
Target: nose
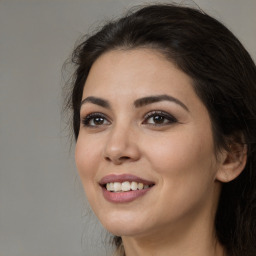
<point x="121" y="146"/>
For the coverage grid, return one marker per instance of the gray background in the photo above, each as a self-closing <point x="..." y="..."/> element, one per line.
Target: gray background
<point x="43" y="210"/>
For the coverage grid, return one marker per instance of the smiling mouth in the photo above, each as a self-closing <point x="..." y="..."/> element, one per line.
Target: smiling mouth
<point x="126" y="186"/>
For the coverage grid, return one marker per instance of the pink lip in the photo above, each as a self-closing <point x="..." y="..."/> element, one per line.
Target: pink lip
<point x="123" y="197"/>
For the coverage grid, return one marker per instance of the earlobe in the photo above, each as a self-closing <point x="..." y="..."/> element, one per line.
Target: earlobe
<point x="232" y="163"/>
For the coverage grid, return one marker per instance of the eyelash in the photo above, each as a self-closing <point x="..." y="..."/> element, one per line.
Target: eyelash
<point x="86" y="120"/>
<point x="168" y="119"/>
<point x="165" y="117"/>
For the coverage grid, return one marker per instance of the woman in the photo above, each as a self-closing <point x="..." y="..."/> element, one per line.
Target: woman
<point x="164" y="117"/>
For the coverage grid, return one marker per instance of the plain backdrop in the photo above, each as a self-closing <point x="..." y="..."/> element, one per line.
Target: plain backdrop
<point x="43" y="210"/>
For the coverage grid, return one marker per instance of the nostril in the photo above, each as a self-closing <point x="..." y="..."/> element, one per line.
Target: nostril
<point x="117" y="160"/>
<point x="124" y="158"/>
<point x="108" y="159"/>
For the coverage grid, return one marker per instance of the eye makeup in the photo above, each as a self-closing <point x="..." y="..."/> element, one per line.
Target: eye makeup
<point x="159" y="118"/>
<point x="94" y="120"/>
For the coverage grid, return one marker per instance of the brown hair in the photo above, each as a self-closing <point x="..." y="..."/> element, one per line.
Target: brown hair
<point x="224" y="77"/>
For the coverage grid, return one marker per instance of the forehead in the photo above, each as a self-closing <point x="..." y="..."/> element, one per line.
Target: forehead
<point x="136" y="73"/>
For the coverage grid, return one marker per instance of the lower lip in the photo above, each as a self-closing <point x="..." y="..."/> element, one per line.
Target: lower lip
<point x="123" y="197"/>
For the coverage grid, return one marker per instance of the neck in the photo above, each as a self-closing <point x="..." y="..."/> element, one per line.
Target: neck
<point x="139" y="247"/>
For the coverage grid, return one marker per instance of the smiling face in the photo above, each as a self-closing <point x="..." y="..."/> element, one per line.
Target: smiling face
<point x="142" y="122"/>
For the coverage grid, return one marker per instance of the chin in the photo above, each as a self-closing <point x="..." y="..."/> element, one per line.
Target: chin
<point x="125" y="230"/>
<point x="123" y="224"/>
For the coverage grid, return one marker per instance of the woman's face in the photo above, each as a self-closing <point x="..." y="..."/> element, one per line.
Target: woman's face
<point x="145" y="150"/>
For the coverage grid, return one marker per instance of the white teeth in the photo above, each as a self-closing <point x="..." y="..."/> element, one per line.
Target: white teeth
<point x="125" y="186"/>
<point x="117" y="186"/>
<point x="140" y="186"/>
<point x="134" y="185"/>
<point x="110" y="186"/>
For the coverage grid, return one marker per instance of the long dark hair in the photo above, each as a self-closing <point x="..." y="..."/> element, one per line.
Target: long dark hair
<point x="224" y="77"/>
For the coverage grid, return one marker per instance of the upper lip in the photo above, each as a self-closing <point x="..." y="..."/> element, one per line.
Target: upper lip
<point x="123" y="178"/>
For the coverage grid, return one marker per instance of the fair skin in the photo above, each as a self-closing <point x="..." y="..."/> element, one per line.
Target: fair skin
<point x="167" y="141"/>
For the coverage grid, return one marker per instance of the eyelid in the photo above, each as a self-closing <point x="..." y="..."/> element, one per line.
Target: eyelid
<point x="166" y="115"/>
<point x="85" y="120"/>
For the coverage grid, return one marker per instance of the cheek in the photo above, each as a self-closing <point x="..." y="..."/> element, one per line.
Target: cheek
<point x="87" y="158"/>
<point x="181" y="159"/>
<point x="186" y="170"/>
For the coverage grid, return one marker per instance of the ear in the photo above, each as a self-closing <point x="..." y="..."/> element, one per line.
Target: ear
<point x="232" y="162"/>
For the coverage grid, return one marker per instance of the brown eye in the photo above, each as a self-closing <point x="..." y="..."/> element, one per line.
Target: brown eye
<point x="95" y="120"/>
<point x="159" y="118"/>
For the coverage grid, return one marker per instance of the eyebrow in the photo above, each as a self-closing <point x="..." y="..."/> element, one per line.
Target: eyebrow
<point x="97" y="101"/>
<point x="158" y="98"/>
<point x="137" y="103"/>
